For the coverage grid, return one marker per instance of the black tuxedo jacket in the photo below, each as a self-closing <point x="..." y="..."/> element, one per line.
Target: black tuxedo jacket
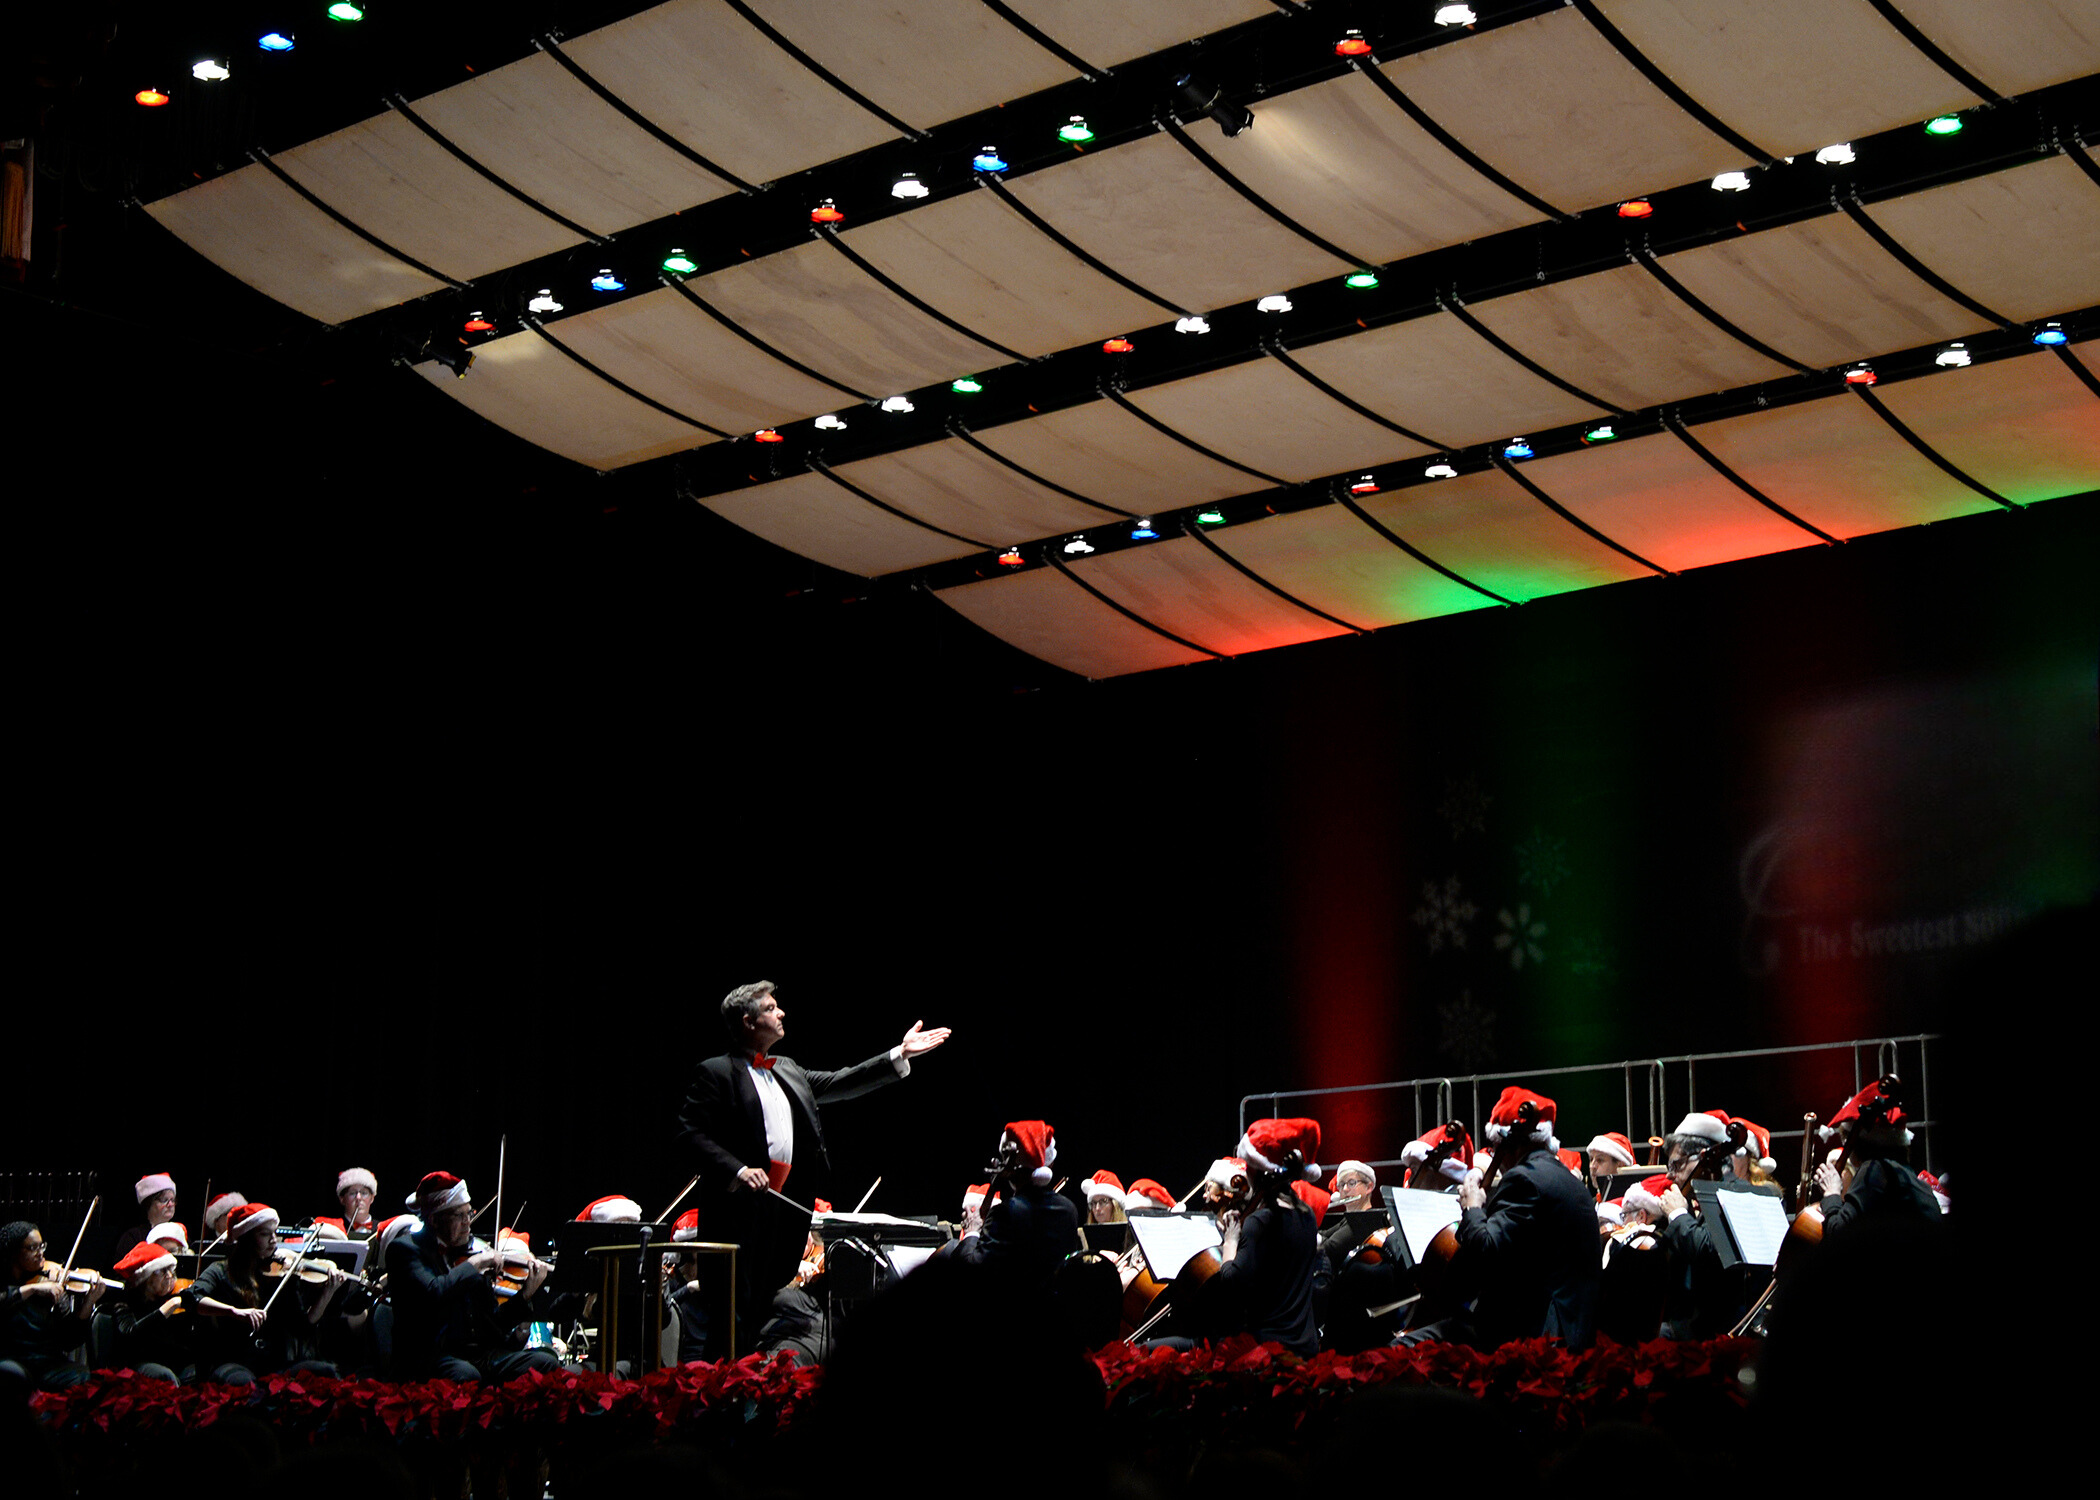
<point x="1532" y="1253"/>
<point x="722" y="1125"/>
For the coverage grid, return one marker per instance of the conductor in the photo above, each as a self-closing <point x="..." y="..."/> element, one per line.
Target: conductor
<point x="750" y="1117"/>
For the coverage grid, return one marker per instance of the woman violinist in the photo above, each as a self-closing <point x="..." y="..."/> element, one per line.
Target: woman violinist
<point x="41" y="1323"/>
<point x="147" y="1328"/>
<point x="260" y="1324"/>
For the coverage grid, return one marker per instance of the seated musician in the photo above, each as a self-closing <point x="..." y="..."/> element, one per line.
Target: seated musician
<point x="1878" y="1183"/>
<point x="448" y="1323"/>
<point x="1355" y="1191"/>
<point x="156" y="1200"/>
<point x="147" y="1328"/>
<point x="1707" y="1298"/>
<point x="1753" y="1162"/>
<point x="1609" y="1154"/>
<point x="1145" y="1193"/>
<point x="355" y="1188"/>
<point x="1029" y="1229"/>
<point x="1271" y="1265"/>
<point x="256" y="1324"/>
<point x="1104" y="1198"/>
<point x="1528" y="1239"/>
<point x="40" y="1323"/>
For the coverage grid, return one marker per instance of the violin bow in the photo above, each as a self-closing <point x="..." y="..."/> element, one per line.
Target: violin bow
<point x="691" y="1183"/>
<point x="864" y="1197"/>
<point x="85" y="1220"/>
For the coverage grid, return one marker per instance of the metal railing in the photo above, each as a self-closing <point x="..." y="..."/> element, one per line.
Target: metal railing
<point x="1652" y="1079"/>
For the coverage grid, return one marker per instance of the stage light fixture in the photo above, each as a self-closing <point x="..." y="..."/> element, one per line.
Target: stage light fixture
<point x="767" y="435"/>
<point x="1360" y="281"/>
<point x="1363" y="484"/>
<point x="680" y="264"/>
<point x="275" y="41"/>
<point x="1943" y="125"/>
<point x="1210" y="518"/>
<point x="1440" y="470"/>
<point x="831" y="422"/>
<point x="343" y="10"/>
<point x="1075" y="130"/>
<point x="606" y="281"/>
<point x="1861" y="374"/>
<point x="1078" y="547"/>
<point x="1517" y="448"/>
<point x="1352" y="44"/>
<point x="476" y="323"/>
<point x="989" y="160"/>
<point x="1117" y="345"/>
<point x="452" y="355"/>
<point x="1143" y="532"/>
<point x="897" y="404"/>
<point x="968" y="385"/>
<point x="543" y="301"/>
<point x="1954" y="357"/>
<point x="151" y="98"/>
<point x="827" y="212"/>
<point x="1840" y="155"/>
<point x="1011" y="558"/>
<point x="1191" y="325"/>
<point x="1455" y="15"/>
<point x="1275" y="302"/>
<point x="1732" y="182"/>
<point x="210" y="70"/>
<point x="2050" y="334"/>
<point x="1636" y="208"/>
<point x="909" y="186"/>
<point x="1603" y="432"/>
<point x="1207" y="97"/>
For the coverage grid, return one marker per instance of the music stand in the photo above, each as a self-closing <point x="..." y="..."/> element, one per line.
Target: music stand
<point x="1728" y="1234"/>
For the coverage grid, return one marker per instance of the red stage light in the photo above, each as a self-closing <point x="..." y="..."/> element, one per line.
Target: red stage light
<point x="1364" y="486"/>
<point x="1352" y="44"/>
<point x="479" y="324"/>
<point x="1636" y="208"/>
<point x="767" y="435"/>
<point x="151" y="98"/>
<point x="1859" y="375"/>
<point x="826" y="212"/>
<point x="1011" y="558"/>
<point x="1117" y="346"/>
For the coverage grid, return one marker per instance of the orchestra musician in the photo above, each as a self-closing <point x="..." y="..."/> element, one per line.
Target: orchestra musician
<point x="216" y="1211"/>
<point x="258" y="1324"/>
<point x="1609" y="1154"/>
<point x="1528" y="1240"/>
<point x="146" y="1328"/>
<point x="355" y="1188"/>
<point x="448" y="1323"/>
<point x="1104" y="1198"/>
<point x="1270" y="1259"/>
<point x="1146" y="1193"/>
<point x="156" y="1199"/>
<point x="1706" y="1297"/>
<point x="1878" y="1182"/>
<point x="750" y="1117"/>
<point x="1029" y="1229"/>
<point x="41" y="1324"/>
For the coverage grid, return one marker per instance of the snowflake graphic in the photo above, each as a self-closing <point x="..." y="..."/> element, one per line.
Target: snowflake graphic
<point x="1542" y="861"/>
<point x="1469" y="1031"/>
<point x="1520" y="936"/>
<point x="1464" y="807"/>
<point x="1591" y="959"/>
<point x="1444" y="913"/>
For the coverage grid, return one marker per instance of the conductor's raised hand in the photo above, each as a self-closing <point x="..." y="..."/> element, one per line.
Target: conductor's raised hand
<point x="917" y="1041"/>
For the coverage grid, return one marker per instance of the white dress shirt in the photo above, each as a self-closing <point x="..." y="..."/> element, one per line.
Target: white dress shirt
<point x="780" y="1120"/>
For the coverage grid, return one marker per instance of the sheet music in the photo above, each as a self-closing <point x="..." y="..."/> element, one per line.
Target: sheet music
<point x="1758" y="1223"/>
<point x="1168" y="1240"/>
<point x="1421" y="1214"/>
<point x="905" y="1259"/>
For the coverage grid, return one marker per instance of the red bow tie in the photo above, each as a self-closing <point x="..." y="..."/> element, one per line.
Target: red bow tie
<point x="758" y="1061"/>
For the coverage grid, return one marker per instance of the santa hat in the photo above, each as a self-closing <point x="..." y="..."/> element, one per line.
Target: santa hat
<point x="1103" y="1184"/>
<point x="1571" y="1159"/>
<point x="1857" y="1104"/>
<point x="1362" y="1169"/>
<point x="1268" y="1142"/>
<point x="1613" y="1145"/>
<point x="1757" y="1143"/>
<point x="1504" y="1115"/>
<point x="250" y="1218"/>
<point x="1224" y="1169"/>
<point x="392" y="1229"/>
<point x="439" y="1191"/>
<point x="142" y="1260"/>
<point x="1646" y="1195"/>
<point x="215" y="1212"/>
<point x="1706" y="1125"/>
<point x="1313" y="1197"/>
<point x="351" y="1177"/>
<point x="613" y="1210"/>
<point x="331" y="1229"/>
<point x="1145" y="1193"/>
<point x="973" y="1196"/>
<point x="1037" y="1143"/>
<point x="151" y="1183"/>
<point x="1453" y="1166"/>
<point x="687" y="1226"/>
<point x="821" y="1205"/>
<point x="1611" y="1211"/>
<point x="170" y="1233"/>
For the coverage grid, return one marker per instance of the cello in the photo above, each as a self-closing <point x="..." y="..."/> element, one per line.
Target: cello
<point x="1146" y="1299"/>
<point x="1438" y="1272"/>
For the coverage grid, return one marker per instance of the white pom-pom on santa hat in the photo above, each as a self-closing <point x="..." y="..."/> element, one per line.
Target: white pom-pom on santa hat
<point x="1104" y="1184"/>
<point x="1267" y="1142"/>
<point x="1036" y="1143"/>
<point x="351" y="1177"/>
<point x="151" y="1183"/>
<point x="611" y="1210"/>
<point x="142" y="1260"/>
<point x="1505" y="1114"/>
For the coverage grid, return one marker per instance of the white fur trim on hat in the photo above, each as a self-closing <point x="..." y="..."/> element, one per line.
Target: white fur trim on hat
<point x="137" y="1275"/>
<point x="1703" y="1127"/>
<point x="1094" y="1189"/>
<point x="351" y="1177"/>
<point x="1414" y="1153"/>
<point x="393" y="1229"/>
<point x="1224" y="1169"/>
<point x="215" y="1212"/>
<point x="1604" y="1145"/>
<point x="151" y="1183"/>
<point x="1639" y="1197"/>
<point x="1254" y="1158"/>
<point x="1362" y="1169"/>
<point x="615" y="1210"/>
<point x="170" y="1233"/>
<point x="431" y="1202"/>
<point x="1542" y="1133"/>
<point x="1609" y="1212"/>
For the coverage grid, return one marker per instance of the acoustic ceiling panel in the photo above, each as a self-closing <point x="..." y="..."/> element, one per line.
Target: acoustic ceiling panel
<point x="705" y="76"/>
<point x="1790" y="75"/>
<point x="523" y="383"/>
<point x="1106" y="454"/>
<point x="393" y="181"/>
<point x="2013" y="48"/>
<point x="1838" y="466"/>
<point x="924" y="61"/>
<point x="987" y="267"/>
<point x="1344" y="161"/>
<point x="545" y="133"/>
<point x="1184" y="587"/>
<point x="1163" y="220"/>
<point x="1553" y="106"/>
<point x="1108" y="32"/>
<point x="1437" y="377"/>
<point x="1658" y="497"/>
<point x="1820" y="291"/>
<point x="1484" y="527"/>
<point x="818" y="307"/>
<point x="1049" y="616"/>
<point x="1334" y="562"/>
<point x="256" y="229"/>
<point x="1262" y="415"/>
<point x="959" y="489"/>
<point x="672" y="352"/>
<point x="2023" y="242"/>
<point x="2027" y="427"/>
<point x="810" y="515"/>
<point x="1622" y="336"/>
